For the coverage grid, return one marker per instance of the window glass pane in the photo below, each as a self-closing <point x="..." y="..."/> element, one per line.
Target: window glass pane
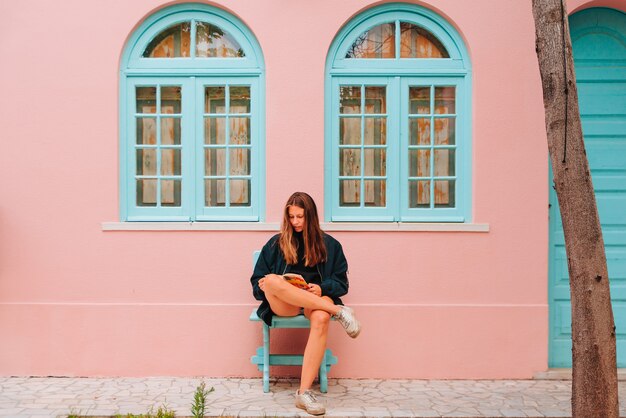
<point x="419" y="131"/>
<point x="445" y="131"/>
<point x="377" y="42"/>
<point x="444" y="162"/>
<point x="239" y="131"/>
<point x="375" y="193"/>
<point x="419" y="194"/>
<point x="375" y="99"/>
<point x="170" y="162"/>
<point x="350" y="131"/>
<point x="375" y="162"/>
<point x="239" y="161"/>
<point x="170" y="131"/>
<point x="146" y="99"/>
<point x="375" y="131"/>
<point x="146" y="131"/>
<point x="170" y="99"/>
<point x="170" y="192"/>
<point x="146" y="162"/>
<point x="213" y="42"/>
<point x="350" y="99"/>
<point x="215" y="99"/>
<point x="214" y="131"/>
<point x="146" y="192"/>
<point x="419" y="100"/>
<point x="419" y="163"/>
<point x="444" y="193"/>
<point x="215" y="162"/>
<point x="240" y="192"/>
<point x="444" y="100"/>
<point x="239" y="99"/>
<point x="173" y="42"/>
<point x="350" y="162"/>
<point x="214" y="192"/>
<point x="349" y="192"/>
<point x="416" y="42"/>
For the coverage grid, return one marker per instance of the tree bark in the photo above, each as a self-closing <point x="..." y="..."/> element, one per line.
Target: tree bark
<point x="594" y="374"/>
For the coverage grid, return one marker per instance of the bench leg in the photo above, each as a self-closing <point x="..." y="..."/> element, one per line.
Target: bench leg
<point x="266" y="358"/>
<point x="323" y="375"/>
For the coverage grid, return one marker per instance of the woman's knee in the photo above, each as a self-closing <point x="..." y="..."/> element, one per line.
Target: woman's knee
<point x="319" y="319"/>
<point x="273" y="284"/>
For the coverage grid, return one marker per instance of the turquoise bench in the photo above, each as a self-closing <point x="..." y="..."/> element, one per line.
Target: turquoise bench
<point x="263" y="359"/>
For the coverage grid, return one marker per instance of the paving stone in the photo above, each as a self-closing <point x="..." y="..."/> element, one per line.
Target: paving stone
<point x="461" y="414"/>
<point x="36" y="411"/>
<point x="345" y="414"/>
<point x="244" y="397"/>
<point x="426" y="413"/>
<point x="10" y="411"/>
<point x="489" y="412"/>
<point x="402" y="413"/>
<point x="532" y="413"/>
<point x="555" y="413"/>
<point x="31" y="404"/>
<point x="512" y="413"/>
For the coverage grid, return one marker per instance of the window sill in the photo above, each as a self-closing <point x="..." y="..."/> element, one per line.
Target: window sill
<point x="275" y="227"/>
<point x="190" y="226"/>
<point x="405" y="226"/>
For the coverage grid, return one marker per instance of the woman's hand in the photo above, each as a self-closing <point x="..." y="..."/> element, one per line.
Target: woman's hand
<point x="315" y="289"/>
<point x="262" y="281"/>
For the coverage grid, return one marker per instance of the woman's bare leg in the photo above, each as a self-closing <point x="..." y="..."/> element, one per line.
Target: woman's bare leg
<point x="277" y="290"/>
<point x="315" y="346"/>
<point x="281" y="308"/>
<point x="286" y="300"/>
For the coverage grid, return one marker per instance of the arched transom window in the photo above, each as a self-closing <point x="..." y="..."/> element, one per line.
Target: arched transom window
<point x="209" y="41"/>
<point x="398" y="138"/>
<point x="413" y="42"/>
<point x="191" y="111"/>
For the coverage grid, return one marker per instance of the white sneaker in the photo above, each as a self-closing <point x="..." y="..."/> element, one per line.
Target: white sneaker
<point x="348" y="321"/>
<point x="309" y="403"/>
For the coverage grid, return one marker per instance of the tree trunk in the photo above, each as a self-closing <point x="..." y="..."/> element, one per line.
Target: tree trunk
<point x="594" y="379"/>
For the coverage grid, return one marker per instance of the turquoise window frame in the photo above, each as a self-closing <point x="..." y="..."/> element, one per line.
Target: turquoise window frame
<point x="399" y="74"/>
<point x="191" y="73"/>
<point x="165" y="213"/>
<point x="364" y="213"/>
<point x="441" y="214"/>
<point x="204" y="213"/>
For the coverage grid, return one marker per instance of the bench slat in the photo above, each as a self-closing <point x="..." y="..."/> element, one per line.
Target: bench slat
<point x="288" y="359"/>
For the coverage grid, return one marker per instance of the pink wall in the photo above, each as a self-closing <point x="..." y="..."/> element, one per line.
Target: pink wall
<point x="77" y="300"/>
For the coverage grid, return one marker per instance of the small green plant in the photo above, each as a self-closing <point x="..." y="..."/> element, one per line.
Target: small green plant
<point x="199" y="400"/>
<point x="74" y="413"/>
<point x="162" y="411"/>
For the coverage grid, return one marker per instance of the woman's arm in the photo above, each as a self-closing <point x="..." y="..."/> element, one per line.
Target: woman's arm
<point x="262" y="268"/>
<point x="335" y="284"/>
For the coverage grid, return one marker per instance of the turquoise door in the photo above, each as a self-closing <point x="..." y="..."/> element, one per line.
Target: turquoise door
<point x="599" y="43"/>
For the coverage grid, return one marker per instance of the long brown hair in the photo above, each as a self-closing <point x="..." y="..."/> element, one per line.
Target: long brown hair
<point x="314" y="247"/>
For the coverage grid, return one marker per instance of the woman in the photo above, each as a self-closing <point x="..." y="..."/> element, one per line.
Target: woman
<point x="302" y="247"/>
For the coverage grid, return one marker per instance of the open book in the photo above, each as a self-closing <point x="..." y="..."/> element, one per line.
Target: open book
<point x="296" y="280"/>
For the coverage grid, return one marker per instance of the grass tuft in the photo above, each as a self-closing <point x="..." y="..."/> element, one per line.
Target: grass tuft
<point x="199" y="400"/>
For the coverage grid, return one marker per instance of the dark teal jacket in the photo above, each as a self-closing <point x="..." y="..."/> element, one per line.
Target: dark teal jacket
<point x="271" y="260"/>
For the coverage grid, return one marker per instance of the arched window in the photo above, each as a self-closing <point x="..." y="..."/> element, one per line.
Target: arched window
<point x="192" y="117"/>
<point x="398" y="115"/>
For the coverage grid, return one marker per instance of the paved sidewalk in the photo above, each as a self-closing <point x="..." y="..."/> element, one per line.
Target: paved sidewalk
<point x="22" y="396"/>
